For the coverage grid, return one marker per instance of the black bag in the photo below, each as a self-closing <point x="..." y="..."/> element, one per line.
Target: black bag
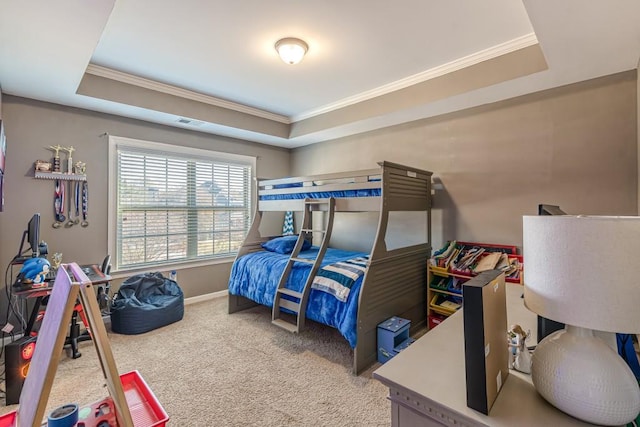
<point x="145" y="302"/>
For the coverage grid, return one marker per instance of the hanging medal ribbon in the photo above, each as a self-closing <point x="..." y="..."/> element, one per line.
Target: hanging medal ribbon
<point x="74" y="205"/>
<point x="58" y="203"/>
<point x="85" y="203"/>
<point x="77" y="202"/>
<point x="70" y="222"/>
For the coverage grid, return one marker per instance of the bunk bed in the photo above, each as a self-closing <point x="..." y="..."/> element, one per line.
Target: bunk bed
<point x="393" y="280"/>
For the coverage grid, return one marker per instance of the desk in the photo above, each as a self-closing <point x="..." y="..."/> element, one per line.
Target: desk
<point x="93" y="273"/>
<point x="427" y="385"/>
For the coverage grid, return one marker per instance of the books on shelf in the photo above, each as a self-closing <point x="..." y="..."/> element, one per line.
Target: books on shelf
<point x="473" y="258"/>
<point x="449" y="305"/>
<point x="512" y="270"/>
<point x="467" y="259"/>
<point x="442" y="257"/>
<point x="488" y="262"/>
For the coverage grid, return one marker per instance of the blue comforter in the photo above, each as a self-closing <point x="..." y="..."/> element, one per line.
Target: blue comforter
<point x="256" y="276"/>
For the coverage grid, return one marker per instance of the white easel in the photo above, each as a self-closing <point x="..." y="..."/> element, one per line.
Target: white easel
<point x="51" y="337"/>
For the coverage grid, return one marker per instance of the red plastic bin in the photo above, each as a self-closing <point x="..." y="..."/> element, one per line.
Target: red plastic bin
<point x="145" y="409"/>
<point x="435" y="320"/>
<point x="8" y="420"/>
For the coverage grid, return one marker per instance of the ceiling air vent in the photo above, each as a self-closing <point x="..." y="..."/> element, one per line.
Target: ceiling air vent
<point x="190" y="122"/>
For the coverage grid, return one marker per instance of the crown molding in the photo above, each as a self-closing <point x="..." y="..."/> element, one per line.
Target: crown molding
<point x="131" y="79"/>
<point x="467" y="61"/>
<point x="464" y="62"/>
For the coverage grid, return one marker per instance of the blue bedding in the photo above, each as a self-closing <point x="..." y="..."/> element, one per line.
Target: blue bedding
<point x="371" y="192"/>
<point x="256" y="276"/>
<point x="338" y="278"/>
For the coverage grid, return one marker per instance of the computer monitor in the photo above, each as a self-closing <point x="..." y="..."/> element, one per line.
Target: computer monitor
<point x="32" y="236"/>
<point x="550" y="210"/>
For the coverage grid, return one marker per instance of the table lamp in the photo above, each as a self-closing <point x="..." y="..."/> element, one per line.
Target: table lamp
<point x="583" y="271"/>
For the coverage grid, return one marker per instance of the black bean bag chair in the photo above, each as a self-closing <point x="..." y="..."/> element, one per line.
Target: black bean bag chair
<point x="145" y="302"/>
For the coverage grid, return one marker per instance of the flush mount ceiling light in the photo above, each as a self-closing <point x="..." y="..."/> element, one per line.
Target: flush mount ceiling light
<point x="291" y="50"/>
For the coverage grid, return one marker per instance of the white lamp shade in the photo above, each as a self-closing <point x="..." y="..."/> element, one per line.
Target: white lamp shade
<point x="583" y="270"/>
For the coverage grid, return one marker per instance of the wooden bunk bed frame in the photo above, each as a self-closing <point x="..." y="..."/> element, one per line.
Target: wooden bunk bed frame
<point x="395" y="281"/>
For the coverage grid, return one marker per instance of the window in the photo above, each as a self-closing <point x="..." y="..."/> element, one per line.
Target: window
<point x="172" y="204"/>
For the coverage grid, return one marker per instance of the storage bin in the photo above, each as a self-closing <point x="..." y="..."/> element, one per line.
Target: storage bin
<point x="435" y="320"/>
<point x="440" y="282"/>
<point x="436" y="305"/>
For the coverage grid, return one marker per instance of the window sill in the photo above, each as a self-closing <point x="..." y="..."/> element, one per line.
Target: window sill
<point x="166" y="268"/>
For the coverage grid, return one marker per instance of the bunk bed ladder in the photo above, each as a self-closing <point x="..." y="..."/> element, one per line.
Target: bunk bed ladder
<point x="298" y="305"/>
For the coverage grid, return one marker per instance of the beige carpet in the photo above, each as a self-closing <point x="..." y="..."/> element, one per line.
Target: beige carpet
<point x="219" y="369"/>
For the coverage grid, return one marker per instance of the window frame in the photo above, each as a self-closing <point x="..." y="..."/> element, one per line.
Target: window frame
<point x="117" y="142"/>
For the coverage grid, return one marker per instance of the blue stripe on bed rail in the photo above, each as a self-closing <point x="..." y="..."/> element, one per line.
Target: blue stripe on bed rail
<point x="372" y="192"/>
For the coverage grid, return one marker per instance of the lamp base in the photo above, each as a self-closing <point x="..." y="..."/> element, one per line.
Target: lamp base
<point x="579" y="374"/>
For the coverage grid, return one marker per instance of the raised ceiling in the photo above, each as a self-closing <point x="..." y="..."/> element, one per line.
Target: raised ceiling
<point x="211" y="66"/>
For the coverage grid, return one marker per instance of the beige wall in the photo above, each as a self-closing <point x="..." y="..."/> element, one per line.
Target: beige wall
<point x="574" y="146"/>
<point x="638" y="125"/>
<point x="31" y="126"/>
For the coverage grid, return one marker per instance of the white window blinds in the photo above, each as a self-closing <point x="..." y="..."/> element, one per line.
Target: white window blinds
<point x="174" y="207"/>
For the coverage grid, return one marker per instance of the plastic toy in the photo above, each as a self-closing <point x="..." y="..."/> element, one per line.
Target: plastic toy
<point x="33" y="273"/>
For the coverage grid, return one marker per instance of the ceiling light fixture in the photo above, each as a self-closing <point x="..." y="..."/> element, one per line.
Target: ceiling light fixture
<point x="291" y="50"/>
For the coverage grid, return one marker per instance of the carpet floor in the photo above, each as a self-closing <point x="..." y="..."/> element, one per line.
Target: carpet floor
<point x="219" y="369"/>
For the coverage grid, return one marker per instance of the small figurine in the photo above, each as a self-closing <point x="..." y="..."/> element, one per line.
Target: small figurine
<point x="32" y="274"/>
<point x="56" y="261"/>
<point x="80" y="168"/>
<point x="519" y="356"/>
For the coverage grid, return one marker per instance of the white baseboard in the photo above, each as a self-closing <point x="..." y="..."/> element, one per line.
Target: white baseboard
<point x="206" y="297"/>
